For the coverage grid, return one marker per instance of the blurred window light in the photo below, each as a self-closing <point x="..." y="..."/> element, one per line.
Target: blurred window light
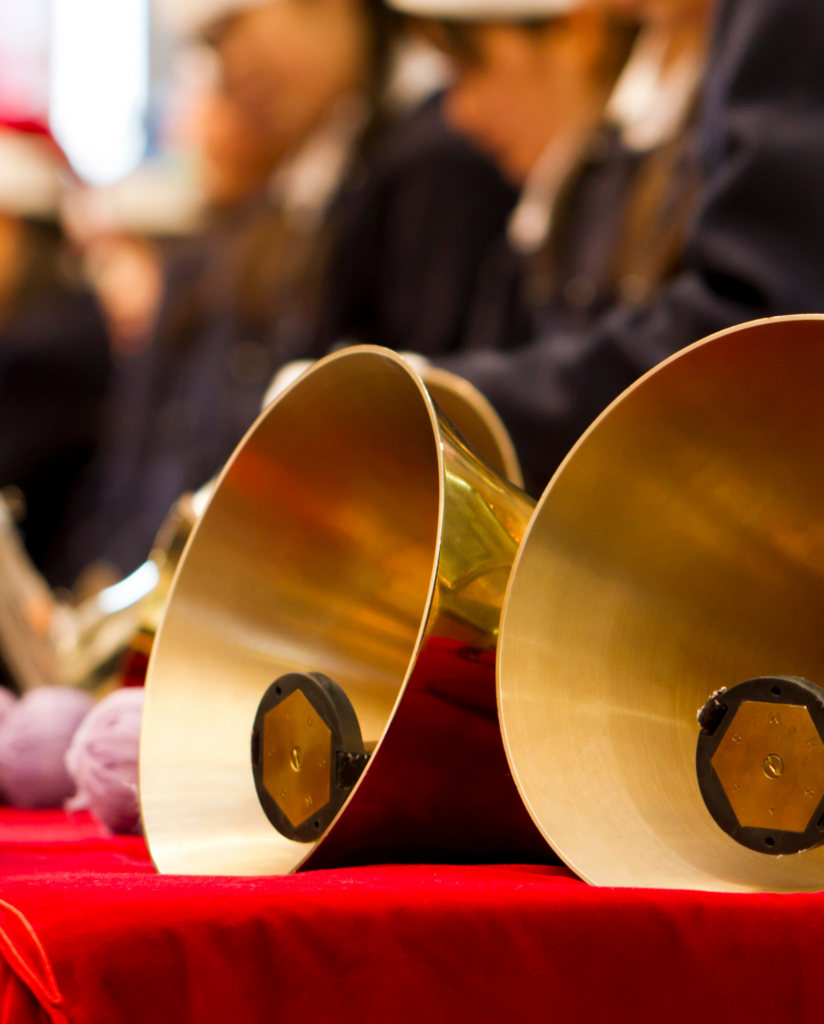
<point x="99" y="85"/>
<point x="24" y="45"/>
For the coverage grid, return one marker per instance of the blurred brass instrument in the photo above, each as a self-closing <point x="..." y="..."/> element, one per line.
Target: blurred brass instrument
<point x="45" y="640"/>
<point x="676" y="563"/>
<point x="321" y="690"/>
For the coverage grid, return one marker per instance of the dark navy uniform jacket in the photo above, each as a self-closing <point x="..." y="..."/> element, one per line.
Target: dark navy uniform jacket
<point x="54" y="368"/>
<point x="755" y="248"/>
<point x="418" y="222"/>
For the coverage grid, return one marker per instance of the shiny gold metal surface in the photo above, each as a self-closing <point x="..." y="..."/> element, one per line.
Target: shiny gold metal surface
<point x="46" y="641"/>
<point x="296" y="752"/>
<point x="476" y="419"/>
<point x="352" y="533"/>
<point x="771" y="765"/>
<point x="678" y="550"/>
<point x="166" y="554"/>
<point x="470" y="412"/>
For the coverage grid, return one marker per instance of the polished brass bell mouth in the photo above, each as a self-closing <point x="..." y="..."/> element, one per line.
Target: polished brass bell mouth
<point x="355" y="550"/>
<point x="679" y="549"/>
<point x="760" y="763"/>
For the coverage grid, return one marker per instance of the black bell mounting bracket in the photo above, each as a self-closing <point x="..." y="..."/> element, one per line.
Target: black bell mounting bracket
<point x="760" y="763"/>
<point x="307" y="753"/>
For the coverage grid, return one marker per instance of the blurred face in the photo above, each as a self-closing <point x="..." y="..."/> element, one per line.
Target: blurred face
<point x="236" y="159"/>
<point x="522" y="86"/>
<point x="285" y="63"/>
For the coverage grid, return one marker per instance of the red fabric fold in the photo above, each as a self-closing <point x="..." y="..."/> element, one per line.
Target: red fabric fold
<point x="396" y="944"/>
<point x="28" y="988"/>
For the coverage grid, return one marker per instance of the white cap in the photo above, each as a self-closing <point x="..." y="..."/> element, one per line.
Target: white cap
<point x="485" y="10"/>
<point x="30" y="183"/>
<point x="188" y="17"/>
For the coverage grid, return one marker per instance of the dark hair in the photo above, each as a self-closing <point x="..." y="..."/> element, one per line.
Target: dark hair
<point x="385" y="26"/>
<point x="461" y="40"/>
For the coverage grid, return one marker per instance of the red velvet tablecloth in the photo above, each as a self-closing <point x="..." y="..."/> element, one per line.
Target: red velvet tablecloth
<point x="89" y="934"/>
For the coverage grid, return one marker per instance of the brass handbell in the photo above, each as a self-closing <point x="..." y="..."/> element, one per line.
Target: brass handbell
<point x="321" y="690"/>
<point x="676" y="563"/>
<point x="43" y="640"/>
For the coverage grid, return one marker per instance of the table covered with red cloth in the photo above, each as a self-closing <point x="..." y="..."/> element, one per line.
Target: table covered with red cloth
<point x="89" y="934"/>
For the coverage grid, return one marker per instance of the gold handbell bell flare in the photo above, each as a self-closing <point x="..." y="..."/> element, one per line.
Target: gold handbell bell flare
<point x="678" y="550"/>
<point x="133" y="627"/>
<point x="353" y="533"/>
<point x="476" y="419"/>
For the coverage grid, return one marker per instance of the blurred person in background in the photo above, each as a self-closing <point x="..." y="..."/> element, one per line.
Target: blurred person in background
<point x="309" y="91"/>
<point x="594" y="121"/>
<point x="531" y="85"/>
<point x="54" y="355"/>
<point x="590" y="109"/>
<point x="129" y="236"/>
<point x="752" y="246"/>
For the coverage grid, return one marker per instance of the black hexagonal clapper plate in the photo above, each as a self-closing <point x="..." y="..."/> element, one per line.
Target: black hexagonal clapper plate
<point x="737" y="788"/>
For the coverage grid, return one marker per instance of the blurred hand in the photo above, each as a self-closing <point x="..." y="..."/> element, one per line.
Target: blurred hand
<point x="126" y="275"/>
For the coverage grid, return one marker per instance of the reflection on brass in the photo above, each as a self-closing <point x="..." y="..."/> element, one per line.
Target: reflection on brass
<point x="476" y="419"/>
<point x="771" y="765"/>
<point x="46" y="640"/>
<point x="296" y="751"/>
<point x="113" y="623"/>
<point x="679" y="550"/>
<point x="351" y="533"/>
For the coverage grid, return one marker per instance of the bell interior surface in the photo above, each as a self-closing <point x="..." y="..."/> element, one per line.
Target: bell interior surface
<point x="470" y="413"/>
<point x="679" y="549"/>
<point x="352" y="534"/>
